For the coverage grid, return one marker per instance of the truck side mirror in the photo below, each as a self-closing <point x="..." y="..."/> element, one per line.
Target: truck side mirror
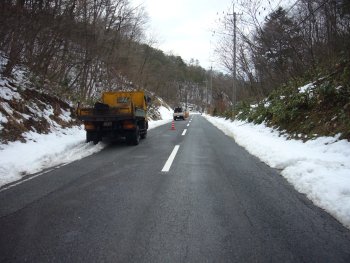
<point x="77" y="109"/>
<point x="148" y="100"/>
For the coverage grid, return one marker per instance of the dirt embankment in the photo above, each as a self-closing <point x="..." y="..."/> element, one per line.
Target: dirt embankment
<point x="24" y="110"/>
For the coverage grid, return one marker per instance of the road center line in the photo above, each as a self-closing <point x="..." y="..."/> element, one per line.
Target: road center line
<point x="171" y="158"/>
<point x="188" y="125"/>
<point x="184" y="132"/>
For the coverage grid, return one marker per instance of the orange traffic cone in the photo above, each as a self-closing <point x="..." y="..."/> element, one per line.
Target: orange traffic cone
<point x="173" y="125"/>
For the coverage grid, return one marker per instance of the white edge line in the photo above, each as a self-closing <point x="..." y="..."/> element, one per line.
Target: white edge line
<point x="188" y="125"/>
<point x="32" y="177"/>
<point x="171" y="158"/>
<point x="25" y="180"/>
<point x="184" y="132"/>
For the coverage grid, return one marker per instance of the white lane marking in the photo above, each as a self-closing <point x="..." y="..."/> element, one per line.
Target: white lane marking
<point x="32" y="177"/>
<point x="25" y="180"/>
<point x="188" y="125"/>
<point x="171" y="158"/>
<point x="184" y="132"/>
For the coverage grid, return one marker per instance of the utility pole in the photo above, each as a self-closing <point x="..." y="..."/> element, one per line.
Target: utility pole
<point x="234" y="86"/>
<point x="207" y="87"/>
<point x="234" y="89"/>
<point x="211" y="84"/>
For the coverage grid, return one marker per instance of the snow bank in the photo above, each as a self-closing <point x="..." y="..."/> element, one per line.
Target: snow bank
<point x="42" y="151"/>
<point x="166" y="115"/>
<point x="319" y="168"/>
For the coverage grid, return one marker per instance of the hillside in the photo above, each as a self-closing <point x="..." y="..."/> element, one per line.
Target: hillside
<point x="43" y="128"/>
<point x="25" y="109"/>
<point x="306" y="109"/>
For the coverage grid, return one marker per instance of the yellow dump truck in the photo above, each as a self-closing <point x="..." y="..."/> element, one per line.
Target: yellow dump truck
<point x="120" y="114"/>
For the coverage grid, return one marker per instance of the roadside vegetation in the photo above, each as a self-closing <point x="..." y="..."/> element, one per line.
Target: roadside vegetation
<point x="307" y="110"/>
<point x="293" y="70"/>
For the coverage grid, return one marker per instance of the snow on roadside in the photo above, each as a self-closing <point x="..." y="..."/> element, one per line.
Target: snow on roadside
<point x="319" y="168"/>
<point x="42" y="151"/>
<point x="166" y="115"/>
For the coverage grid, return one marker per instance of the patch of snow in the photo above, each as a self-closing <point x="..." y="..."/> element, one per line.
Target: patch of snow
<point x="3" y="119"/>
<point x="45" y="113"/>
<point x="33" y="108"/>
<point x="65" y="115"/>
<point x="166" y="115"/>
<point x="7" y="93"/>
<point x="306" y="88"/>
<point x="6" y="107"/>
<point x="25" y="116"/>
<point x="20" y="74"/>
<point x="3" y="59"/>
<point x="319" y="168"/>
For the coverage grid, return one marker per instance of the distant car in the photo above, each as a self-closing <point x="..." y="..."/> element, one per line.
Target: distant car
<point x="179" y="113"/>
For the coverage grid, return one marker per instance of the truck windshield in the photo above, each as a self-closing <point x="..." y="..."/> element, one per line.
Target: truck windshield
<point x="177" y="110"/>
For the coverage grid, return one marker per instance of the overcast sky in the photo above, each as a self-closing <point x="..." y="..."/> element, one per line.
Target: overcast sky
<point x="184" y="27"/>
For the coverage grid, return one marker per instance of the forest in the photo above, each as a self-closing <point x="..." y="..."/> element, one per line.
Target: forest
<point x="292" y="45"/>
<point x="78" y="48"/>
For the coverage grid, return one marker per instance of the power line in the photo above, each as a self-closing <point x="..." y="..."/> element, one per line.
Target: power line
<point x="311" y="13"/>
<point x="287" y="11"/>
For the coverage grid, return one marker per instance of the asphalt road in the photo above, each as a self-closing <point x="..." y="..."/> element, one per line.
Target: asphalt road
<point x="217" y="203"/>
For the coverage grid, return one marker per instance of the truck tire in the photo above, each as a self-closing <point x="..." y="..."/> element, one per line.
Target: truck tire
<point x="97" y="139"/>
<point x="90" y="136"/>
<point x="93" y="137"/>
<point x="143" y="135"/>
<point x="133" y="138"/>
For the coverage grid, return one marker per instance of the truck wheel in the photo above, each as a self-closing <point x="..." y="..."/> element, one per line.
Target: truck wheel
<point x="143" y="135"/>
<point x="134" y="137"/>
<point x="90" y="136"/>
<point x="93" y="137"/>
